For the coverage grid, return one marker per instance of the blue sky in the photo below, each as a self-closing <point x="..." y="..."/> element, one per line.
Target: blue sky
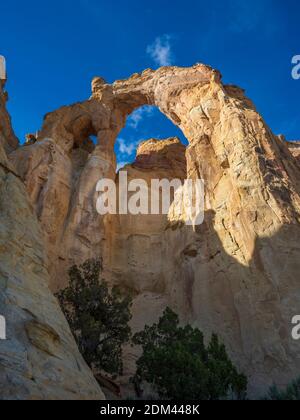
<point x="54" y="48"/>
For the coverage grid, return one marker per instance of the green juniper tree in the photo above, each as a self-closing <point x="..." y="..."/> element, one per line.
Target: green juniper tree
<point x="98" y="317"/>
<point x="178" y="365"/>
<point x="291" y="393"/>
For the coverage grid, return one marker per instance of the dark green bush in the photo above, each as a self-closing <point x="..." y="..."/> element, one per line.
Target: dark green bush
<point x="291" y="393"/>
<point x="178" y="365"/>
<point x="98" y="317"/>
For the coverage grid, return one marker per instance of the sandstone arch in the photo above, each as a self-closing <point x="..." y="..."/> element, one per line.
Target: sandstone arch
<point x="238" y="275"/>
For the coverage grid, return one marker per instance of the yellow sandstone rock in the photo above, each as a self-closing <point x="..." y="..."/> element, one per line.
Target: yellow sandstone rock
<point x="238" y="273"/>
<point x="39" y="358"/>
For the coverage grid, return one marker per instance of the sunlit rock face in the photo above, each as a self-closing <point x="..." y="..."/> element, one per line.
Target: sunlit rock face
<point x="238" y="273"/>
<point x="295" y="149"/>
<point x="39" y="358"/>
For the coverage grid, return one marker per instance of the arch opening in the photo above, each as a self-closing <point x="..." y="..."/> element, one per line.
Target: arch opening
<point x="144" y="124"/>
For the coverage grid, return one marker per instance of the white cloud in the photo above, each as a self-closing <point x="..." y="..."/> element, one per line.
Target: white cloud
<point x="136" y="117"/>
<point x="124" y="148"/>
<point x="160" y="51"/>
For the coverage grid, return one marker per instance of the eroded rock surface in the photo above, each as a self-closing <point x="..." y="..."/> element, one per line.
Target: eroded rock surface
<point x="7" y="137"/>
<point x="238" y="273"/>
<point x="39" y="359"/>
<point x="295" y="149"/>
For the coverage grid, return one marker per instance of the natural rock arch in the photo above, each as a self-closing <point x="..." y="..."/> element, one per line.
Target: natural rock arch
<point x="238" y="274"/>
<point x="110" y="105"/>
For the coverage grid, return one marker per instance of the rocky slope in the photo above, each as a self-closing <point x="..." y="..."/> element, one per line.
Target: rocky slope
<point x="39" y="359"/>
<point x="8" y="139"/>
<point x="295" y="148"/>
<point x="238" y="273"/>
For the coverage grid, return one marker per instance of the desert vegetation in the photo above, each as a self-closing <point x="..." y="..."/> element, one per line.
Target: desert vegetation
<point x="98" y="316"/>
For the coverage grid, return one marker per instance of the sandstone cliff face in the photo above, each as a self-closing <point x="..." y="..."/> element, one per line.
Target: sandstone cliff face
<point x="39" y="359"/>
<point x="7" y="137"/>
<point x="238" y="273"/>
<point x="295" y="149"/>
